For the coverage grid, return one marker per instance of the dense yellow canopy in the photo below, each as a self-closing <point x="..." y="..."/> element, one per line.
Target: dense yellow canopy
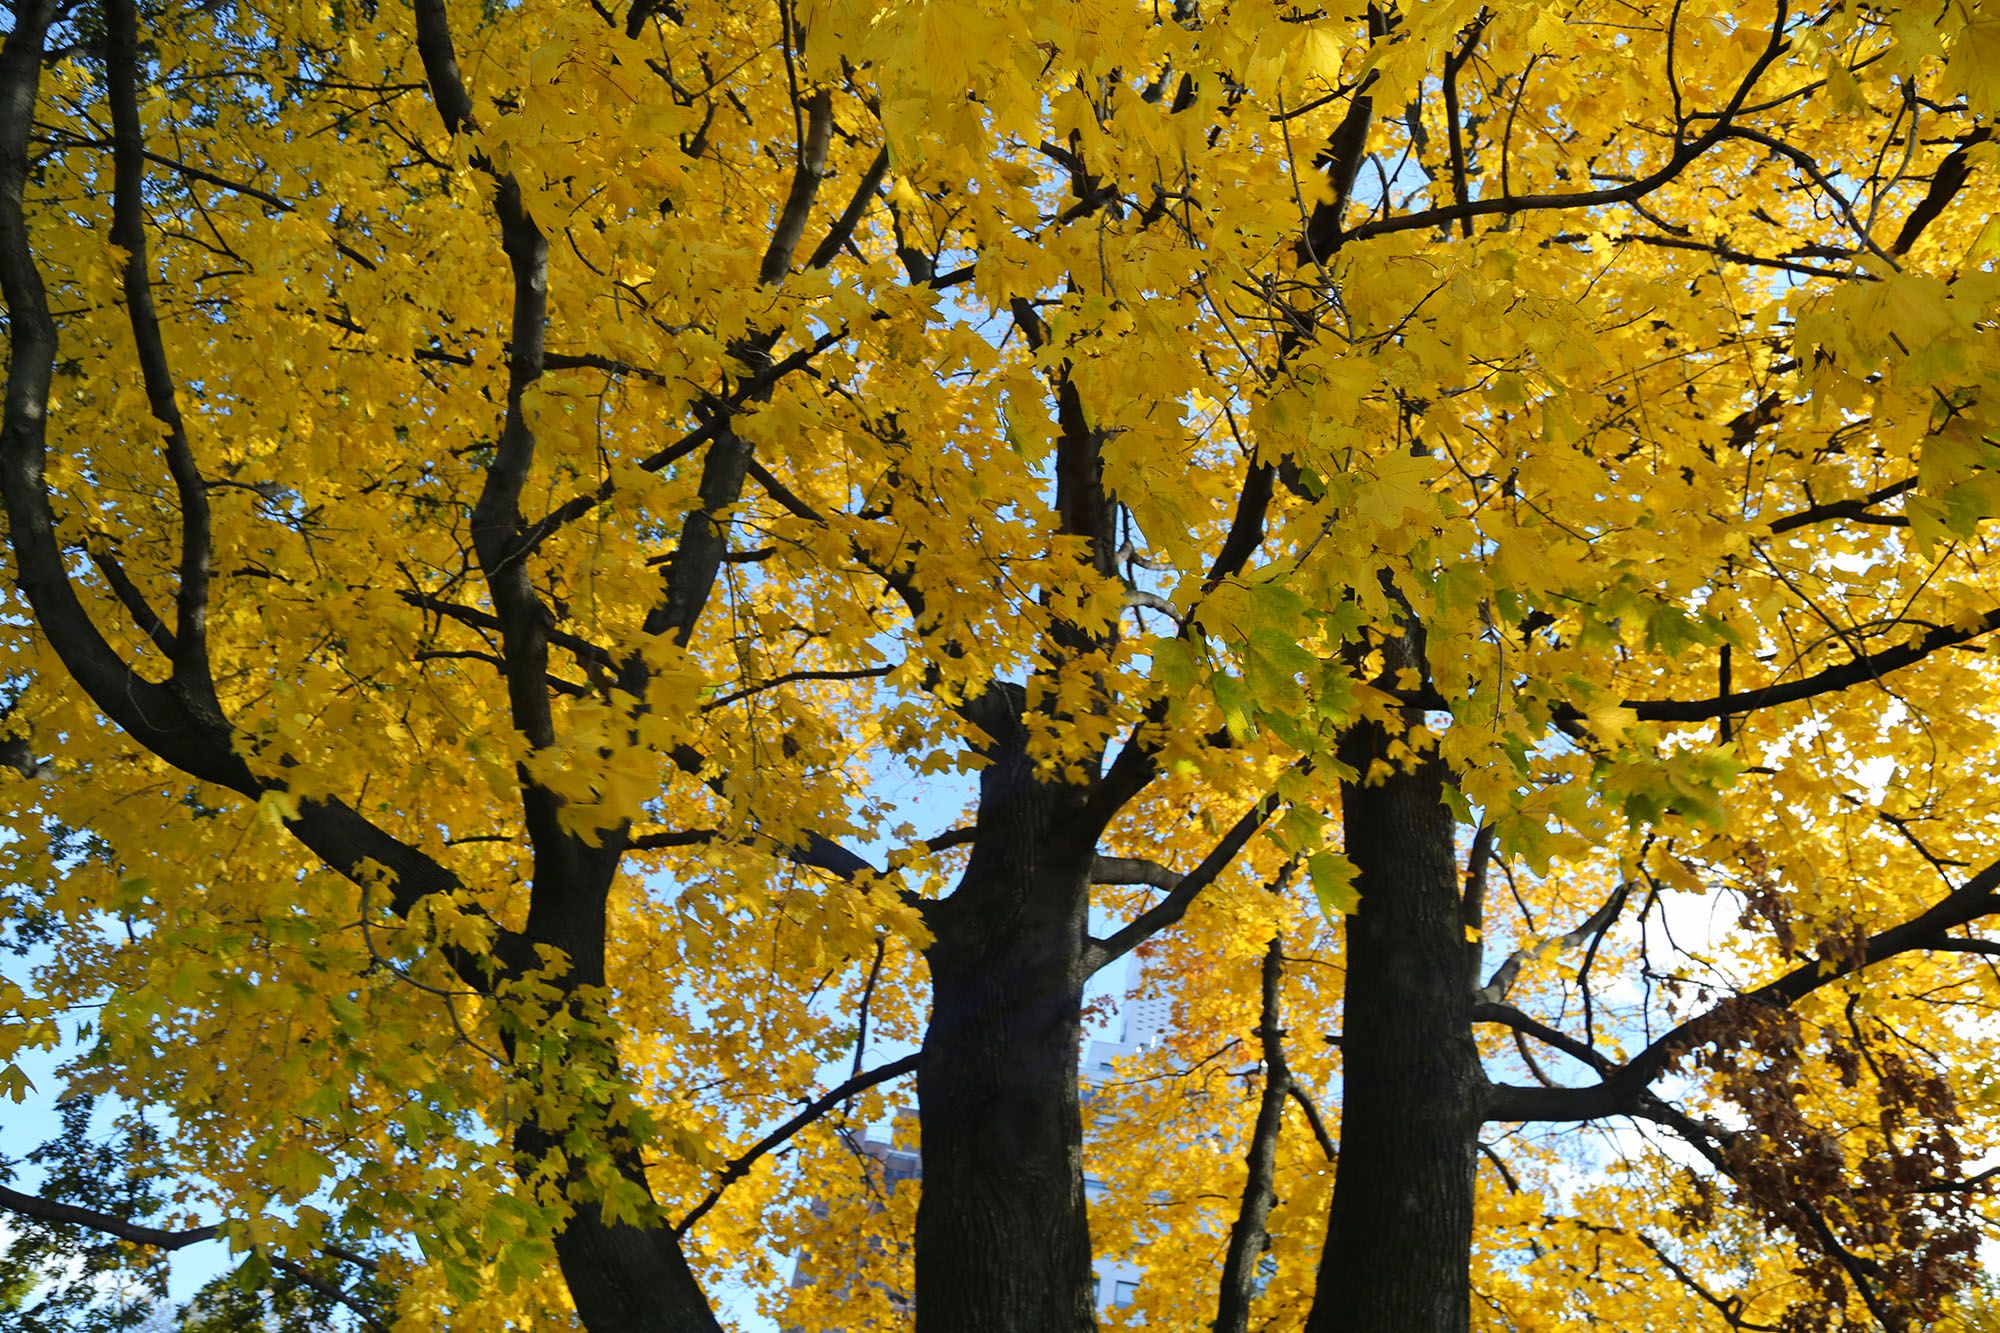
<point x="461" y="453"/>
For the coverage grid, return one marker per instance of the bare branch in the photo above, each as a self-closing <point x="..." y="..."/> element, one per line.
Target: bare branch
<point x="1322" y="241"/>
<point x="1946" y="182"/>
<point x="794" y="677"/>
<point x="69" y="1214"/>
<point x="1101" y="953"/>
<point x="749" y="389"/>
<point x="1858" y="507"/>
<point x="1248" y="1234"/>
<point x="134" y="601"/>
<point x="1624" y="1089"/>
<point x="1299" y="1094"/>
<point x="332" y="1291"/>
<point x="842" y="231"/>
<point x="740" y="1166"/>
<point x="1597" y="923"/>
<point x="1869" y="666"/>
<point x="1506" y="1015"/>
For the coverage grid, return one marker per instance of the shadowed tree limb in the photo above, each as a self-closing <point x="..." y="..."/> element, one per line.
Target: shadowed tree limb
<point x="740" y="1166"/>
<point x="168" y="719"/>
<point x="1099" y="954"/>
<point x="1624" y="1089"/>
<point x="1829" y="680"/>
<point x="69" y="1214"/>
<point x="1860" y="507"/>
<point x="192" y="676"/>
<point x="1327" y="1147"/>
<point x="168" y="1240"/>
<point x="1506" y="1015"/>
<point x="332" y="1291"/>
<point x="1323" y="239"/>
<point x="1946" y="182"/>
<point x="1248" y="1235"/>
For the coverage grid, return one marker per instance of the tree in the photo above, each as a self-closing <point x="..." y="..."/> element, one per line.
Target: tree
<point x="81" y="1259"/>
<point x="519" y="512"/>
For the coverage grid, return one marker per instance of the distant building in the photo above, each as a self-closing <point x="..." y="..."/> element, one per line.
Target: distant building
<point x="1141" y="1024"/>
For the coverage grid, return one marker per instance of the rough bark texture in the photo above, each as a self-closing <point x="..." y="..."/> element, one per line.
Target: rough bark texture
<point x="1003" y="1239"/>
<point x="623" y="1278"/>
<point x="1399" y="1235"/>
<point x="630" y="1280"/>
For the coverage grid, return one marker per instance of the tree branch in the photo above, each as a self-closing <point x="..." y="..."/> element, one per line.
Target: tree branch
<point x="1322" y="243"/>
<point x="1946" y="182"/>
<point x="191" y="672"/>
<point x="1489" y="1011"/>
<point x="155" y="715"/>
<point x="332" y="1291"/>
<point x="843" y="229"/>
<point x="1299" y="1094"/>
<point x="1131" y="870"/>
<point x="143" y="615"/>
<point x="69" y="1214"/>
<point x="740" y="1166"/>
<point x="1099" y="954"/>
<point x="806" y="178"/>
<point x="794" y="677"/>
<point x="1623" y="1089"/>
<point x="496" y="516"/>
<point x="1248" y="1234"/>
<point x="1870" y="666"/>
<point x="722" y="408"/>
<point x="1857" y="507"/>
<point x="1497" y="985"/>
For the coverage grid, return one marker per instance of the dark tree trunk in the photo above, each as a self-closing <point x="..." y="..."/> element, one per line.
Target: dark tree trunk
<point x="1399" y="1235"/>
<point x="627" y="1279"/>
<point x="623" y="1278"/>
<point x="1003" y="1238"/>
<point x="1248" y="1237"/>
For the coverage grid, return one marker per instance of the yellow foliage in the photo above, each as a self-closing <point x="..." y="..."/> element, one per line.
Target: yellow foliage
<point x="522" y="558"/>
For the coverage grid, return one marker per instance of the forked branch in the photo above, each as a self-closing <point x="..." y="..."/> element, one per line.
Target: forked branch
<point x="1183" y="891"/>
<point x="740" y="1166"/>
<point x="1625" y="1089"/>
<point x="1249" y="1233"/>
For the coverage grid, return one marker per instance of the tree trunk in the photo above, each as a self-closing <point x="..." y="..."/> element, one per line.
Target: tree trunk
<point x="623" y="1278"/>
<point x="1003" y="1238"/>
<point x="627" y="1279"/>
<point x="1399" y="1235"/>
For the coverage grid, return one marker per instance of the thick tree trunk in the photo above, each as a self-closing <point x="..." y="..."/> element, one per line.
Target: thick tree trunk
<point x="624" y="1279"/>
<point x="1003" y="1238"/>
<point x="1399" y="1236"/>
<point x="627" y="1279"/>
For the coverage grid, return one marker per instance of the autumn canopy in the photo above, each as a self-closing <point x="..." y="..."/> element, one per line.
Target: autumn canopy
<point x="597" y="597"/>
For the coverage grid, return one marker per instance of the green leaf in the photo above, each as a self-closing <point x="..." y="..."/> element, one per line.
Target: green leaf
<point x="1232" y="696"/>
<point x="15" y="1085"/>
<point x="1332" y="876"/>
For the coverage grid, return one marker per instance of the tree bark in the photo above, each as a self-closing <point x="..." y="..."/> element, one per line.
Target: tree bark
<point x="627" y="1279"/>
<point x="1003" y="1238"/>
<point x="1249" y="1236"/>
<point x="1399" y="1233"/>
